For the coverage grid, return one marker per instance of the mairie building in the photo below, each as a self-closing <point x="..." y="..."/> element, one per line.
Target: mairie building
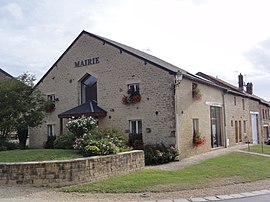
<point x="147" y="98"/>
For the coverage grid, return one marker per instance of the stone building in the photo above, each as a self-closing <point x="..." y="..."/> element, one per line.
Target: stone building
<point x="4" y="74"/>
<point x="146" y="97"/>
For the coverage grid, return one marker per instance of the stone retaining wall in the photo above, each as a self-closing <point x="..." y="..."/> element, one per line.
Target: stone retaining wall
<point x="70" y="172"/>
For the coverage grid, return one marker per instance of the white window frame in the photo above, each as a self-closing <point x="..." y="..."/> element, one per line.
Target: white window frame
<point x="136" y="86"/>
<point x="51" y="97"/>
<point x="137" y="126"/>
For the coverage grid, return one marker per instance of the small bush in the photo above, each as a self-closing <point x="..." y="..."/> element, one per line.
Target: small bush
<point x="6" y="145"/>
<point x="101" y="142"/>
<point x="64" y="141"/>
<point x="159" y="154"/>
<point x="49" y="143"/>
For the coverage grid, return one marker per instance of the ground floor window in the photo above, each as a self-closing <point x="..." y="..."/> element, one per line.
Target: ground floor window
<point x="50" y="130"/>
<point x="195" y="126"/>
<point x="135" y="126"/>
<point x="135" y="134"/>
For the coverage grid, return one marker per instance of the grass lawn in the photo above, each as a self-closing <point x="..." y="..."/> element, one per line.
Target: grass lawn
<point x="37" y="155"/>
<point x="222" y="170"/>
<point x="258" y="148"/>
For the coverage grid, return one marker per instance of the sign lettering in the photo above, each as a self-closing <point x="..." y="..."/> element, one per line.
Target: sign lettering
<point x="90" y="61"/>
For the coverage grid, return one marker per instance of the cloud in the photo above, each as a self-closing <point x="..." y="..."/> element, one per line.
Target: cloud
<point x="259" y="56"/>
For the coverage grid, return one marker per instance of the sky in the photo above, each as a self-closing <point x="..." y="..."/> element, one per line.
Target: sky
<point x="222" y="38"/>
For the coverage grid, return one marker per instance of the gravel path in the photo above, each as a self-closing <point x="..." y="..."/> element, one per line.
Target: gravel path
<point x="45" y="194"/>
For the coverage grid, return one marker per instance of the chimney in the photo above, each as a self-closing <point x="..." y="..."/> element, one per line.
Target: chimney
<point x="250" y="88"/>
<point x="241" y="82"/>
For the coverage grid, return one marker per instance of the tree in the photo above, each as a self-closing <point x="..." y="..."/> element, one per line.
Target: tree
<point x="21" y="106"/>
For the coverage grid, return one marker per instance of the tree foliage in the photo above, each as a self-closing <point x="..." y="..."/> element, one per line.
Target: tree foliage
<point x="21" y="105"/>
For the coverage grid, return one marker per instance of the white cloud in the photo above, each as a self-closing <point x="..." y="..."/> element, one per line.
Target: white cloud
<point x="209" y="36"/>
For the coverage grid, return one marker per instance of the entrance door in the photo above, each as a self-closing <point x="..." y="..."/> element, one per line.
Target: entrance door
<point x="254" y="124"/>
<point x="216" y="138"/>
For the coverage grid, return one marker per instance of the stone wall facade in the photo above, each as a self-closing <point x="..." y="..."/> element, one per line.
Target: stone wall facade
<point x="166" y="110"/>
<point x="70" y="172"/>
<point x="115" y="70"/>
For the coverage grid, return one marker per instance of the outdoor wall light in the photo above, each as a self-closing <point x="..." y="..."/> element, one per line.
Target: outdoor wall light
<point x="178" y="77"/>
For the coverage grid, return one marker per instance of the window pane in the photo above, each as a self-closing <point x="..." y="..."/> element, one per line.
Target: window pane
<point x="195" y="126"/>
<point x="133" y="127"/>
<point x="139" y="127"/>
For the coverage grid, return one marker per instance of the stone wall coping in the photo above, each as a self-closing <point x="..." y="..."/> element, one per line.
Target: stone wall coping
<point x="68" y="160"/>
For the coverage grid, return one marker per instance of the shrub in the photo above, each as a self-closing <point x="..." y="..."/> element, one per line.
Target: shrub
<point x="81" y="125"/>
<point x="64" y="141"/>
<point x="101" y="142"/>
<point x="49" y="143"/>
<point x="6" y="145"/>
<point x="92" y="150"/>
<point x="159" y="154"/>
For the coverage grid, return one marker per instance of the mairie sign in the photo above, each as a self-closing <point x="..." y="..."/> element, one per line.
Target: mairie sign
<point x="90" y="61"/>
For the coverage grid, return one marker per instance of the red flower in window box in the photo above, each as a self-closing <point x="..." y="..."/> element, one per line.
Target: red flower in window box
<point x="198" y="139"/>
<point x="132" y="98"/>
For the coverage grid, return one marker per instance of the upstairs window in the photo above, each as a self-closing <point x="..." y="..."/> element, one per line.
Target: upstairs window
<point x="88" y="89"/>
<point x="134" y="88"/>
<point x="133" y="94"/>
<point x="51" y="97"/>
<point x="234" y="100"/>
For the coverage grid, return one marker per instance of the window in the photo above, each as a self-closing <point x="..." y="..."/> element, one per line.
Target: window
<point x="231" y="123"/>
<point x="243" y="104"/>
<point x="194" y="86"/>
<point x="50" y="130"/>
<point x="51" y="97"/>
<point x="135" y="126"/>
<point x="234" y="99"/>
<point x="88" y="89"/>
<point x="245" y="126"/>
<point x="134" y="88"/>
<point x="195" y="126"/>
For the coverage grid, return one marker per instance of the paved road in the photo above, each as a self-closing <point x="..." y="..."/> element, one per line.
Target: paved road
<point x="261" y="198"/>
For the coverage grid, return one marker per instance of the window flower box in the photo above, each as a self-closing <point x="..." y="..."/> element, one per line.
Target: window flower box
<point x="49" y="106"/>
<point x="198" y="139"/>
<point x="132" y="97"/>
<point x="196" y="93"/>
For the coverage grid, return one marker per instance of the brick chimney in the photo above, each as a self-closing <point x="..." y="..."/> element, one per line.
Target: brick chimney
<point x="241" y="82"/>
<point x="250" y="88"/>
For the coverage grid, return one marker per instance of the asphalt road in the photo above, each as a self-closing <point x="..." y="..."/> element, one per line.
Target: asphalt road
<point x="260" y="198"/>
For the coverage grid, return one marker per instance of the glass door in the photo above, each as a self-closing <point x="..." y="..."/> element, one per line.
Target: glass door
<point x="216" y="138"/>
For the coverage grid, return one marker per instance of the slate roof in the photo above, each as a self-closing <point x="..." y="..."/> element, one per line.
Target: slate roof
<point x="86" y="109"/>
<point x="231" y="88"/>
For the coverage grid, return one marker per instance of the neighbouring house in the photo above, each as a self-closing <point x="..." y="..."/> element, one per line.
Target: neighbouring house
<point x="147" y="99"/>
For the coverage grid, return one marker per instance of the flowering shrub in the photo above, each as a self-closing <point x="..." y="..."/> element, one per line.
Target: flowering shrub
<point x="198" y="139"/>
<point x="101" y="142"/>
<point x="159" y="154"/>
<point x="81" y="125"/>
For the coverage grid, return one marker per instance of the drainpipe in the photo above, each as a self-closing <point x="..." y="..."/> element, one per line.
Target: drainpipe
<point x="224" y="116"/>
<point x="176" y="117"/>
<point x="178" y="79"/>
